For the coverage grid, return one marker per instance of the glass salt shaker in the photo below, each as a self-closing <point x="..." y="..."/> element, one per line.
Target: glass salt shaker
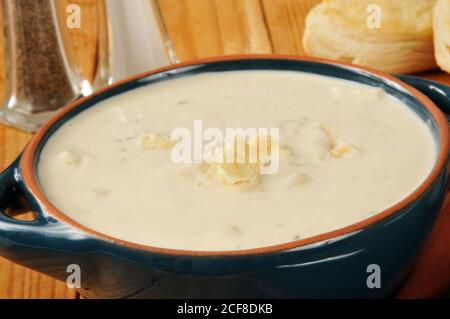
<point x="39" y="79"/>
<point x="132" y="39"/>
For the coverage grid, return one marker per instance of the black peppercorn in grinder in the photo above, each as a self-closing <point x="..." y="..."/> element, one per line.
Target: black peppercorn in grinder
<point x="39" y="79"/>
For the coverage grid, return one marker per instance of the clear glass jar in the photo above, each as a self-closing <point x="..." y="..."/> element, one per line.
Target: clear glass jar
<point x="39" y="79"/>
<point x="132" y="39"/>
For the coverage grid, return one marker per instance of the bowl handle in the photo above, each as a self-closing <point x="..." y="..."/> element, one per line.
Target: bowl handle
<point x="10" y="228"/>
<point x="437" y="92"/>
<point x="44" y="244"/>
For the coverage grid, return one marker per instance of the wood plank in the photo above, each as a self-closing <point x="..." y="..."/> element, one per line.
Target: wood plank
<point x="2" y="56"/>
<point x="286" y="23"/>
<point x="17" y="282"/>
<point x="201" y="28"/>
<point x="242" y="27"/>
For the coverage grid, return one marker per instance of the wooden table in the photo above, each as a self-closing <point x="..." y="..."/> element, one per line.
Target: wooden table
<point x="198" y="28"/>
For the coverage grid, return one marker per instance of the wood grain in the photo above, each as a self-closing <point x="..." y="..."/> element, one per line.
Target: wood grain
<point x="198" y="28"/>
<point x="201" y="28"/>
<point x="2" y="58"/>
<point x="286" y="23"/>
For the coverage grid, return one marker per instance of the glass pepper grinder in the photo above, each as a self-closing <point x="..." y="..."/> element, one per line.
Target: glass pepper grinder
<point x="39" y="79"/>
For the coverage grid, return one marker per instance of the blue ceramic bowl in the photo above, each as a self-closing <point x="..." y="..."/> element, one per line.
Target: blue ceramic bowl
<point x="342" y="263"/>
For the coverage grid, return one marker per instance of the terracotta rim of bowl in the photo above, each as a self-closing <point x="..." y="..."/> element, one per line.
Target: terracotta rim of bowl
<point x="30" y="177"/>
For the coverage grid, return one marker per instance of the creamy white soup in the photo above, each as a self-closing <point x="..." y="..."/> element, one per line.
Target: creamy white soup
<point x="346" y="152"/>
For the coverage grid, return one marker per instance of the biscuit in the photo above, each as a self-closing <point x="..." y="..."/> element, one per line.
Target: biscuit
<point x="441" y="26"/>
<point x="401" y="40"/>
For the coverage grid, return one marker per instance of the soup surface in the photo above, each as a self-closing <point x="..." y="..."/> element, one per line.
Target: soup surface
<point x="347" y="152"/>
